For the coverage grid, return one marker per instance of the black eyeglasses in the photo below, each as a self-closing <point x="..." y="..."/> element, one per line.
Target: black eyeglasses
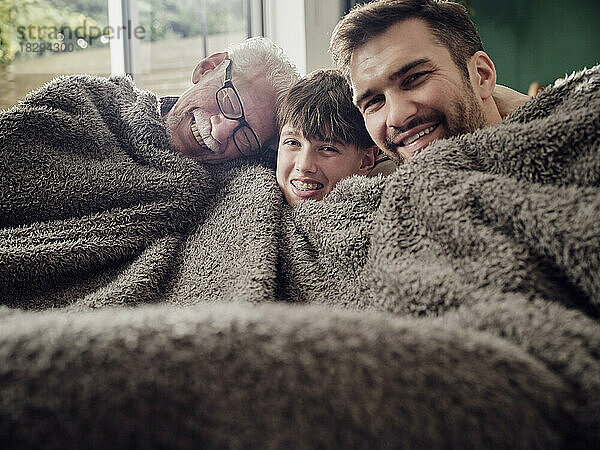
<point x="230" y="105"/>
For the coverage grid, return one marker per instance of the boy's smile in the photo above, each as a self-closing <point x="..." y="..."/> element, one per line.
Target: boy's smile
<point x="306" y="185"/>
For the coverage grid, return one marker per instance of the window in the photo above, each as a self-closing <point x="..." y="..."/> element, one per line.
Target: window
<point x="159" y="41"/>
<point x="47" y="38"/>
<point x="180" y="33"/>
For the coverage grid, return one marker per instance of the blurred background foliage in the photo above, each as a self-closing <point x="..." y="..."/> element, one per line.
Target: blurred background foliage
<point x="161" y="19"/>
<point x="20" y="21"/>
<point x="185" y="18"/>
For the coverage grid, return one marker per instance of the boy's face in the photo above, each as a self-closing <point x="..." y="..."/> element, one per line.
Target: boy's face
<point x="308" y="168"/>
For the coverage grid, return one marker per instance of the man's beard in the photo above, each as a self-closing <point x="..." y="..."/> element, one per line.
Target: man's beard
<point x="462" y="117"/>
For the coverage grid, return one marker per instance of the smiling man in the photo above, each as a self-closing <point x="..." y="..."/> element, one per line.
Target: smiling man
<point x="418" y="72"/>
<point x="230" y="109"/>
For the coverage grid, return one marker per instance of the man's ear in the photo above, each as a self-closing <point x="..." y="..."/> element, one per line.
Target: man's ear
<point x="483" y="74"/>
<point x="368" y="160"/>
<point x="208" y="63"/>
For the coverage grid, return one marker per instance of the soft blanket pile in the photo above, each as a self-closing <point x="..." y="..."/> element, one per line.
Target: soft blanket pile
<point x="452" y="304"/>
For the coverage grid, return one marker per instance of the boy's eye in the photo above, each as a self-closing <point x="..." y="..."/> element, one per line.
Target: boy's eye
<point x="329" y="149"/>
<point x="291" y="142"/>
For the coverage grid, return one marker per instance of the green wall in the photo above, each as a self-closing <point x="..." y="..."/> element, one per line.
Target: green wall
<point x="538" y="40"/>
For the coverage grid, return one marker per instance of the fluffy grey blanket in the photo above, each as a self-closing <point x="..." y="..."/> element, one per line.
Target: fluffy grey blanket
<point x="453" y="304"/>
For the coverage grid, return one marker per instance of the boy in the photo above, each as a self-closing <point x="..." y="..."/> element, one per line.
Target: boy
<point x="323" y="138"/>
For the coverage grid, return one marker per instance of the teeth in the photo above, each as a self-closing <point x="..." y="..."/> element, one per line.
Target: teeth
<point x="414" y="137"/>
<point x="196" y="134"/>
<point x="205" y="140"/>
<point x="302" y="186"/>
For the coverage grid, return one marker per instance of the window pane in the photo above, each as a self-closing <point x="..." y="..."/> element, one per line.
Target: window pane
<point x="42" y="39"/>
<point x="182" y="32"/>
<point x="47" y="38"/>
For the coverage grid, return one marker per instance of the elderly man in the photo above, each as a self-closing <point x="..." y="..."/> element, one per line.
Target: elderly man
<point x="246" y="82"/>
<point x="82" y="145"/>
<point x="419" y="73"/>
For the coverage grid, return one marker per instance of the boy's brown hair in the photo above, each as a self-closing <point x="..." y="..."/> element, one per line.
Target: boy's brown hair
<point x="320" y="105"/>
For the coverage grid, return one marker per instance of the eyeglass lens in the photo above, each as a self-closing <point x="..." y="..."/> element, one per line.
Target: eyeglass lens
<point x="246" y="140"/>
<point x="230" y="103"/>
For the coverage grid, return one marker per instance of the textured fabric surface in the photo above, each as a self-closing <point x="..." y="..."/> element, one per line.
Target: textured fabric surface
<point x="151" y="301"/>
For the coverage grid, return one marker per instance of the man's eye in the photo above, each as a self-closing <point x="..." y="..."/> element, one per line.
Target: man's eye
<point x="414" y="79"/>
<point x="373" y="103"/>
<point x="226" y="103"/>
<point x="329" y="149"/>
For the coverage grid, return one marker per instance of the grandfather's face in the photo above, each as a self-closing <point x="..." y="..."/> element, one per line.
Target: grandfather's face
<point x="410" y="91"/>
<point x="198" y="129"/>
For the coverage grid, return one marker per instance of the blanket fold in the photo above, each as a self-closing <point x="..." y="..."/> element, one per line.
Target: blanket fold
<point x="454" y="303"/>
<point x="271" y="376"/>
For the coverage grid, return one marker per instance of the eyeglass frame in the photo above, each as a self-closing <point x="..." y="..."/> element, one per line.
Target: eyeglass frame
<point x="228" y="84"/>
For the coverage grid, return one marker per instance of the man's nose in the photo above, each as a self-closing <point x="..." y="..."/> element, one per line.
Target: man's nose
<point x="222" y="128"/>
<point x="305" y="161"/>
<point x="401" y="109"/>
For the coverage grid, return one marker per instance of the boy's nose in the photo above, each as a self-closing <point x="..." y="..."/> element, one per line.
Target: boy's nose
<point x="305" y="161"/>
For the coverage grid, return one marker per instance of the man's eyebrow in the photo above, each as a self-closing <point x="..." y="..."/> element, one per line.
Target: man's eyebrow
<point x="368" y="93"/>
<point x="397" y="74"/>
<point x="408" y="67"/>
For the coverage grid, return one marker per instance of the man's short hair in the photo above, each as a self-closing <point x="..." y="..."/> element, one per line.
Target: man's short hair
<point x="261" y="56"/>
<point x="320" y="105"/>
<point x="448" y="21"/>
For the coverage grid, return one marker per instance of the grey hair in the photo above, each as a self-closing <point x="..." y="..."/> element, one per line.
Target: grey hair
<point x="260" y="55"/>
